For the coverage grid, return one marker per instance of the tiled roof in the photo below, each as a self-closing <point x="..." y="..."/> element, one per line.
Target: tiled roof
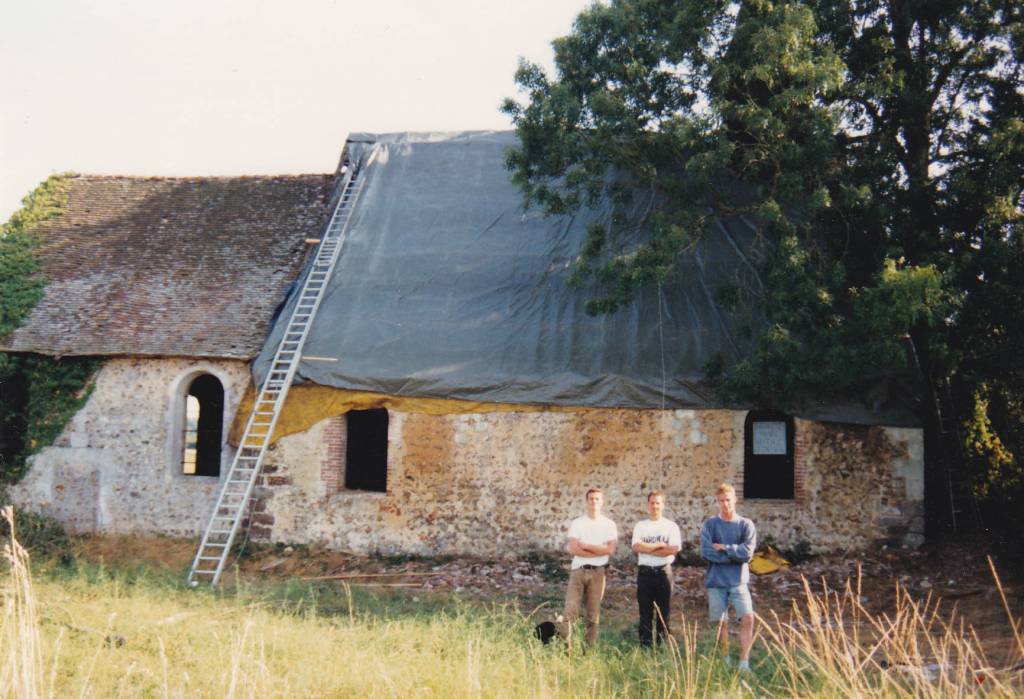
<point x="189" y="266"/>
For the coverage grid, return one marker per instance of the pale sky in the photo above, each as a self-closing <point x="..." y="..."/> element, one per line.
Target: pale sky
<point x="232" y="87"/>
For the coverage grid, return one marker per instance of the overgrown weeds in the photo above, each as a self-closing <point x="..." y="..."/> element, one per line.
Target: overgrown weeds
<point x="37" y="533"/>
<point x="90" y="630"/>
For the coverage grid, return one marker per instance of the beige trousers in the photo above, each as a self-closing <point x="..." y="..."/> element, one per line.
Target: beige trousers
<point x="586" y="586"/>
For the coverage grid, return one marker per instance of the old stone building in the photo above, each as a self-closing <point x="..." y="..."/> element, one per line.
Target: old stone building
<point x="455" y="396"/>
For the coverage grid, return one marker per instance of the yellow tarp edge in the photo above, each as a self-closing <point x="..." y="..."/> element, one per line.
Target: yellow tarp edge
<point x="767" y="561"/>
<point x="308" y="404"/>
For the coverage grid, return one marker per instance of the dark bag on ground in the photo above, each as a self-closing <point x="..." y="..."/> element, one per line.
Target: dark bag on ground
<point x="545" y="631"/>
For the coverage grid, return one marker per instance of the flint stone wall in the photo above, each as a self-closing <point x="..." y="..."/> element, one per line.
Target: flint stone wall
<point x="493" y="484"/>
<point x="509" y="483"/>
<point x="117" y="465"/>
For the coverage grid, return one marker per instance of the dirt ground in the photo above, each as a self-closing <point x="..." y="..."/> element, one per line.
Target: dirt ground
<point x="958" y="575"/>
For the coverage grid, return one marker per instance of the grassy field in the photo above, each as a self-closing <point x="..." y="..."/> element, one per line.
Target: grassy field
<point x="75" y="629"/>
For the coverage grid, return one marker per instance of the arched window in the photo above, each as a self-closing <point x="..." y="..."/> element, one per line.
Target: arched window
<point x="204" y="427"/>
<point x="768" y="456"/>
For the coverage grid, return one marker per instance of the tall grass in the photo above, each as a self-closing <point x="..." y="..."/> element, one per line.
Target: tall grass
<point x="96" y="632"/>
<point x="21" y="672"/>
<point x="831" y="645"/>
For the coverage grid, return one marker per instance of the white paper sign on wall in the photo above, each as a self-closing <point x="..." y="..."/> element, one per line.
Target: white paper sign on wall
<point x="769" y="438"/>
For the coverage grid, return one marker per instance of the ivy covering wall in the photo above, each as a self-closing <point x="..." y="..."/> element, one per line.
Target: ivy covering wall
<point x="38" y="394"/>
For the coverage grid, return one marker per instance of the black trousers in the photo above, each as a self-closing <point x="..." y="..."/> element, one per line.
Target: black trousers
<point x="654" y="595"/>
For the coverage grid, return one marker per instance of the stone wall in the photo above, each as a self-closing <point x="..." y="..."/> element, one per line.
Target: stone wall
<point x="490" y="484"/>
<point x="508" y="483"/>
<point x="117" y="465"/>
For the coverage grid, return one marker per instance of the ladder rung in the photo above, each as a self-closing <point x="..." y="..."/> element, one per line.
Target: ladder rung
<point x="236" y="489"/>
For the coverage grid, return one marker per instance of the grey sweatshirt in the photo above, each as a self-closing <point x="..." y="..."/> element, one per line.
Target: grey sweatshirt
<point x="727" y="568"/>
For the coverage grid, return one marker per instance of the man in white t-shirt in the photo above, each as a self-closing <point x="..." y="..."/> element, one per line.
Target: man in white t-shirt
<point x="592" y="540"/>
<point x="657" y="541"/>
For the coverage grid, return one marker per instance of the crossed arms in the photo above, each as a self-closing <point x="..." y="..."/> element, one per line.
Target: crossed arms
<point x="655" y="549"/>
<point x="578" y="548"/>
<point x="727" y="553"/>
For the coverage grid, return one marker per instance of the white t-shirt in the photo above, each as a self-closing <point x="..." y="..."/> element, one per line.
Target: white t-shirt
<point x="595" y="532"/>
<point x="664" y="532"/>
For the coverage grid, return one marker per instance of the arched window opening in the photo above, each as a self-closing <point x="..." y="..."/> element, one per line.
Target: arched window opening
<point x="366" y="450"/>
<point x="768" y="456"/>
<point x="204" y="427"/>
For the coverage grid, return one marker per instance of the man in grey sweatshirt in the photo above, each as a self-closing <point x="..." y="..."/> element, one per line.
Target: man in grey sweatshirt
<point x="727" y="543"/>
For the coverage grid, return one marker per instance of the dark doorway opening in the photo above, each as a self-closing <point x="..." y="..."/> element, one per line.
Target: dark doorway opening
<point x="768" y="456"/>
<point x="13" y="409"/>
<point x="366" y="451"/>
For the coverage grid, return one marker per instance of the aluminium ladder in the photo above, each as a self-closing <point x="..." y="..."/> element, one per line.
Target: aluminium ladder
<point x="245" y="467"/>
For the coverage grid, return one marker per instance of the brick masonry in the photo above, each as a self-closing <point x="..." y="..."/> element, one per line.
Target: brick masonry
<point x="332" y="467"/>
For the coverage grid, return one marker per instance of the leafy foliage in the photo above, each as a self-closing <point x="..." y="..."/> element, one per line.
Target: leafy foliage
<point x="879" y="147"/>
<point x="37" y="533"/>
<point x="55" y="389"/>
<point x="21" y="286"/>
<point x="38" y="395"/>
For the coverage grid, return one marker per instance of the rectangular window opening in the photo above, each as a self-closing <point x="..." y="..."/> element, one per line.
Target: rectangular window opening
<point x="366" y="450"/>
<point x="768" y="462"/>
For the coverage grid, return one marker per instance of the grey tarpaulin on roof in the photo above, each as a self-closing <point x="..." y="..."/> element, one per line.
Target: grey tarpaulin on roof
<point x="445" y="287"/>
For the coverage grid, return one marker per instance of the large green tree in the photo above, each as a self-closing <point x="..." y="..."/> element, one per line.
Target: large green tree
<point x="880" y="147"/>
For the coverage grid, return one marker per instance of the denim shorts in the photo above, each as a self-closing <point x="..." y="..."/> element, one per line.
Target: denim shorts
<point x="719" y="599"/>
